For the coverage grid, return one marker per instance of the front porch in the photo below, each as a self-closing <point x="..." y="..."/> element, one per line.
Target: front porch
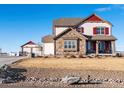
<point x="100" y="47"/>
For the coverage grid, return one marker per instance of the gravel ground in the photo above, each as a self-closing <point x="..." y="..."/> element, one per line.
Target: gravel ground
<point x="51" y="78"/>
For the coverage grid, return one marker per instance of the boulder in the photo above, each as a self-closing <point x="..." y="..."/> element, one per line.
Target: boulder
<point x="5" y="67"/>
<point x="71" y="80"/>
<point x="91" y="56"/>
<point x="8" y="75"/>
<point x="1" y="80"/>
<point x="3" y="71"/>
<point x="6" y="81"/>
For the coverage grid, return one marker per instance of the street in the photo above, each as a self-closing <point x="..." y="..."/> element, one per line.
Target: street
<point x="9" y="60"/>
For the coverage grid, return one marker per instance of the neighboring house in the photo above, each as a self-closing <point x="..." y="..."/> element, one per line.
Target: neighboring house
<point x="91" y="35"/>
<point x="13" y="54"/>
<point x="3" y="53"/>
<point x="31" y="49"/>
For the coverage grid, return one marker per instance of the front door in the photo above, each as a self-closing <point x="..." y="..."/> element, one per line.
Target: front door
<point x="101" y="47"/>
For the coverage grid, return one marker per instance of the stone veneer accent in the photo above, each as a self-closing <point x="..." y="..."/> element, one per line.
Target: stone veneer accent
<point x="71" y="35"/>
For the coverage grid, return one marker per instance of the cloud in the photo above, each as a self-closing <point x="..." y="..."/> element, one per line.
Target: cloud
<point x="118" y="6"/>
<point x="103" y="9"/>
<point x="111" y="7"/>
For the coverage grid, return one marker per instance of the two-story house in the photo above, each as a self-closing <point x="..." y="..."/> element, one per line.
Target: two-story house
<point x="91" y="35"/>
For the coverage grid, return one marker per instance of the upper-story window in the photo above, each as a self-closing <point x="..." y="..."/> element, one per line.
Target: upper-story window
<point x="80" y="30"/>
<point x="101" y="30"/>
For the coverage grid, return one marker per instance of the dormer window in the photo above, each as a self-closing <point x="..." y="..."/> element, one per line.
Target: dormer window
<point x="101" y="30"/>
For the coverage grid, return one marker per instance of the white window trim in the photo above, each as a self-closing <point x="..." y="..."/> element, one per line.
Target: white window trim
<point x="101" y="30"/>
<point x="70" y="44"/>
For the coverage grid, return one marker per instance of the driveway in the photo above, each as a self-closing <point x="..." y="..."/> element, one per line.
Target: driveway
<point x="9" y="60"/>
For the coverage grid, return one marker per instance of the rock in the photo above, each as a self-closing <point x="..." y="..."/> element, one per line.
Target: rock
<point x="91" y="56"/>
<point x="3" y="74"/>
<point x="118" y="81"/>
<point x="99" y="81"/>
<point x="32" y="79"/>
<point x="110" y="80"/>
<point x="6" y="81"/>
<point x="1" y="80"/>
<point x="55" y="79"/>
<point x="10" y="76"/>
<point x="41" y="80"/>
<point x="3" y="71"/>
<point x="5" y="67"/>
<point x="89" y="78"/>
<point x="71" y="80"/>
<point x="51" y="79"/>
<point x="94" y="80"/>
<point x="105" y="80"/>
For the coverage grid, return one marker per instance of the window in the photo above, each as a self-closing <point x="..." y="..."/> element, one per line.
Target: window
<point x="100" y="30"/>
<point x="70" y="44"/>
<point x="80" y="30"/>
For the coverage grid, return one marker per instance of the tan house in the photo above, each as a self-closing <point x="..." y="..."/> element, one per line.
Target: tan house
<point x="91" y="35"/>
<point x="31" y="49"/>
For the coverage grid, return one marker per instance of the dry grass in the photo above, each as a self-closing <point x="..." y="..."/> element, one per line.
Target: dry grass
<point x="108" y="63"/>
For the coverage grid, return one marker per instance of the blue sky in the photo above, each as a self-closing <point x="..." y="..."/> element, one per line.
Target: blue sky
<point x="22" y="23"/>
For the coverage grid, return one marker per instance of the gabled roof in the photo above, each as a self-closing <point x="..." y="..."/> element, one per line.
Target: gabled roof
<point x="67" y="21"/>
<point x="69" y="29"/>
<point x="29" y="43"/>
<point x="74" y="22"/>
<point x="93" y="18"/>
<point x="48" y="39"/>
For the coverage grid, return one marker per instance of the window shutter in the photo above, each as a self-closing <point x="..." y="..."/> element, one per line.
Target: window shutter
<point x="106" y="30"/>
<point x="94" y="30"/>
<point x="82" y="30"/>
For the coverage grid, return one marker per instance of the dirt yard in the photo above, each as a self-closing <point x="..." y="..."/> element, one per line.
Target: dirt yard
<point x="109" y="63"/>
<point x="48" y="72"/>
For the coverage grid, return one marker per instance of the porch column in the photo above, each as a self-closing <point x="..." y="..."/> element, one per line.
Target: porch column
<point x="113" y="47"/>
<point x="97" y="48"/>
<point x="84" y="48"/>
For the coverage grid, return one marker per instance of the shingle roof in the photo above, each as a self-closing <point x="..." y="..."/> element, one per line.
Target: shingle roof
<point x="74" y="21"/>
<point x="67" y="21"/>
<point x="29" y="43"/>
<point x="48" y="39"/>
<point x="69" y="29"/>
<point x="101" y="37"/>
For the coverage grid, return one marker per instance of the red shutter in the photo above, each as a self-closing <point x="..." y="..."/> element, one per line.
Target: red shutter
<point x="106" y="30"/>
<point x="82" y="30"/>
<point x="94" y="30"/>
